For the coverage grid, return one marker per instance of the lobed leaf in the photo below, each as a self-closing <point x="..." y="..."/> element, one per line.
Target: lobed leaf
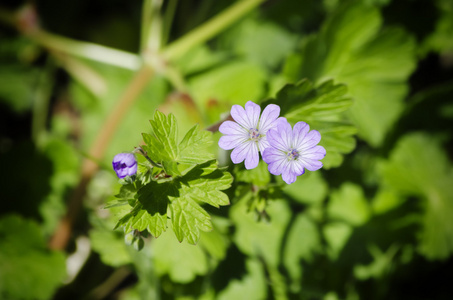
<point x="180" y="200"/>
<point x="194" y="147"/>
<point x="374" y="63"/>
<point x="320" y="107"/>
<point x="163" y="148"/>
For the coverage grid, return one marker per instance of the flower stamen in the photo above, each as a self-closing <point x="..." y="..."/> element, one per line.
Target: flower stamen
<point x="293" y="154"/>
<point x="254" y="134"/>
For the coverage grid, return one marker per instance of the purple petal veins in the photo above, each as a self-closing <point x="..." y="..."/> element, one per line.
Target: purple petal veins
<point x="247" y="135"/>
<point x="292" y="151"/>
<point x="124" y="164"/>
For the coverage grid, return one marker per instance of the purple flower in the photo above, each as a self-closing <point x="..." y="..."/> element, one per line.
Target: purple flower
<point x="247" y="135"/>
<point x="124" y="164"/>
<point x="293" y="151"/>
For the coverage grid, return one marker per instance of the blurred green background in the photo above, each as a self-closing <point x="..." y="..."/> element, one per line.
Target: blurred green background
<point x="80" y="79"/>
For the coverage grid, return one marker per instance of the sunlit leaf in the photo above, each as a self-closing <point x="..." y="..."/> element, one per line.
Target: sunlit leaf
<point x="259" y="41"/>
<point x="181" y="261"/>
<point x="336" y="235"/>
<point x="312" y="190"/>
<point x="180" y="200"/>
<point x="233" y="83"/>
<point x="320" y="107"/>
<point x="110" y="246"/>
<point x="374" y="63"/>
<point x="261" y="239"/>
<point x="349" y="204"/>
<point x="162" y="145"/>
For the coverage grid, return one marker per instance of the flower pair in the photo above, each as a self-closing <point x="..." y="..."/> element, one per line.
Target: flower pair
<point x="287" y="151"/>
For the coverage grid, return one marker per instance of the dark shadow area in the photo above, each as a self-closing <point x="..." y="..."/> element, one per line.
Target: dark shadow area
<point x="231" y="268"/>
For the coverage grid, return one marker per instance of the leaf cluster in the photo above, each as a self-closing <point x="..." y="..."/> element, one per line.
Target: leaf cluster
<point x="183" y="176"/>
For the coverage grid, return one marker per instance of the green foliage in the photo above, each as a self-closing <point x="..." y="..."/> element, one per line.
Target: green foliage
<point x="260" y="239"/>
<point x="349" y="205"/>
<point x="304" y="241"/>
<point x="418" y="166"/>
<point x="110" y="246"/>
<point x="94" y="107"/>
<point x="374" y="62"/>
<point x="189" y="177"/>
<point x="320" y="107"/>
<point x="441" y="39"/>
<point x="162" y="145"/>
<point x="252" y="284"/>
<point x="258" y="41"/>
<point x="234" y="82"/>
<point x="182" y="262"/>
<point x="29" y="270"/>
<point x="376" y="217"/>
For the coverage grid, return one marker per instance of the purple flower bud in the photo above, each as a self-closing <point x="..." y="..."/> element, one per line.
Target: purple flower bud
<point x="124" y="164"/>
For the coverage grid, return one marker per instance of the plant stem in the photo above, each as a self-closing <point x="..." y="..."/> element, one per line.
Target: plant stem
<point x="41" y="99"/>
<point x="209" y="29"/>
<point x="151" y="28"/>
<point x="102" y="141"/>
<point x="109" y="127"/>
<point x="88" y="50"/>
<point x="168" y="20"/>
<point x="61" y="237"/>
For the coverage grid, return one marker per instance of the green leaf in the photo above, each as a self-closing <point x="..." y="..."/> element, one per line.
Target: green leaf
<point x="29" y="270"/>
<point x="349" y="204"/>
<point x="194" y="148"/>
<point x="336" y="235"/>
<point x="163" y="148"/>
<point x="320" y="107"/>
<point x="127" y="192"/>
<point x="418" y="166"/>
<point x="94" y="109"/>
<point x="137" y="218"/>
<point x="180" y="200"/>
<point x="312" y="190"/>
<point x="382" y="263"/>
<point x="261" y="239"/>
<point x="182" y="262"/>
<point x="374" y="63"/>
<point x="110" y="246"/>
<point x="259" y="41"/>
<point x="234" y="82"/>
<point x="253" y="284"/>
<point x="216" y="242"/>
<point x="162" y="142"/>
<point x="17" y="87"/>
<point x="188" y="217"/>
<point x="259" y="176"/>
<point x="304" y="240"/>
<point x="441" y="39"/>
<point x="156" y="215"/>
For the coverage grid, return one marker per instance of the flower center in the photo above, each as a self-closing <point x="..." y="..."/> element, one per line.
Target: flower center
<point x="254" y="134"/>
<point x="293" y="154"/>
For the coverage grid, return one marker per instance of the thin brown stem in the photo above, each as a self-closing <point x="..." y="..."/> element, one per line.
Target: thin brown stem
<point x="89" y="166"/>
